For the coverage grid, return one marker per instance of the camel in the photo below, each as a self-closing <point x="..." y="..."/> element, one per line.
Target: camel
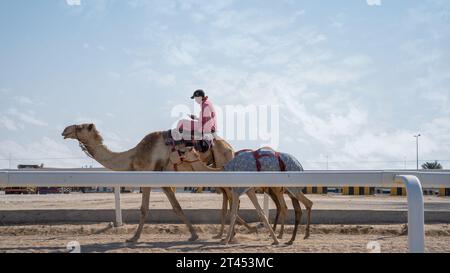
<point x="151" y="154"/>
<point x="177" y="163"/>
<point x="294" y="193"/>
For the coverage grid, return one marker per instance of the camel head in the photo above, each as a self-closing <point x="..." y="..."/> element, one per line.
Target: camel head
<point x="82" y="132"/>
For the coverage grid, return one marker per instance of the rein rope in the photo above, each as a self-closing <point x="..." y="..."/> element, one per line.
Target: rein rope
<point x="84" y="146"/>
<point x="85" y="149"/>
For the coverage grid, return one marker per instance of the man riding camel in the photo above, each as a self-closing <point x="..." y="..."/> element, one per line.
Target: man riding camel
<point x="203" y="126"/>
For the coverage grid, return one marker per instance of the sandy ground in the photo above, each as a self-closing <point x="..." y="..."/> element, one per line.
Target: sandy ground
<point x="173" y="238"/>
<point x="206" y="200"/>
<point x="103" y="237"/>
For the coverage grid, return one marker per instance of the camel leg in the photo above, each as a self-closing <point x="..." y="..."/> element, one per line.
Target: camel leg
<point x="277" y="204"/>
<point x="144" y="213"/>
<point x="242" y="222"/>
<point x="252" y="195"/>
<point x="308" y="204"/>
<point x="298" y="216"/>
<point x="179" y="212"/>
<point x="223" y="216"/>
<point x="235" y="194"/>
<point x="283" y="209"/>
<point x="239" y="220"/>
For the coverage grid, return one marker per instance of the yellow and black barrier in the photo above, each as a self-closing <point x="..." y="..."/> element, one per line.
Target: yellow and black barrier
<point x="315" y="190"/>
<point x="444" y="192"/>
<point x="398" y="191"/>
<point x="358" y="190"/>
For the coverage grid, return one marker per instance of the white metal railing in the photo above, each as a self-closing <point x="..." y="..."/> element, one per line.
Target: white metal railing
<point x="412" y="180"/>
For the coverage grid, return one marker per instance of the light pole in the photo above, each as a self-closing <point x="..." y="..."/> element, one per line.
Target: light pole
<point x="417" y="150"/>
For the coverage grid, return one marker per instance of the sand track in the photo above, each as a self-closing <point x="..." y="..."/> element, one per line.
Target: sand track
<point x="173" y="238"/>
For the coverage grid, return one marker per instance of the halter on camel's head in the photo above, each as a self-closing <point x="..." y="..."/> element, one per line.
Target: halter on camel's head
<point x="83" y="133"/>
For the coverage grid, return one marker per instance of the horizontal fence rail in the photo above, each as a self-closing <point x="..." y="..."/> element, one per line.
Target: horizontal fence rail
<point x="216" y="179"/>
<point x="412" y="180"/>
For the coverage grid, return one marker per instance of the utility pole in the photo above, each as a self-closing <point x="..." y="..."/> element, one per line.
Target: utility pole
<point x="417" y="150"/>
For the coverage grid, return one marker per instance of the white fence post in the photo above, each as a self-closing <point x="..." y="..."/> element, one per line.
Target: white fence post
<point x="416" y="222"/>
<point x="118" y="221"/>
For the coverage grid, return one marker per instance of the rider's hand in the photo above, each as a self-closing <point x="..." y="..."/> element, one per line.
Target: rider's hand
<point x="192" y="116"/>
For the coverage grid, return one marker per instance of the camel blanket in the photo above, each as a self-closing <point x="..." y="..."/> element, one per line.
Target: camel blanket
<point x="246" y="161"/>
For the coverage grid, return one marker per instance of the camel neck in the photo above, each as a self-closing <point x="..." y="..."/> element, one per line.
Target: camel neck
<point x="111" y="160"/>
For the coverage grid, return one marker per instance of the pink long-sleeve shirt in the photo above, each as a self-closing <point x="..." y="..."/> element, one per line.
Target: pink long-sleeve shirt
<point x="208" y="116"/>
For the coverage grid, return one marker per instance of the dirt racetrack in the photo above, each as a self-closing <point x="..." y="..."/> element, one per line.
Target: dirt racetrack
<point x="173" y="238"/>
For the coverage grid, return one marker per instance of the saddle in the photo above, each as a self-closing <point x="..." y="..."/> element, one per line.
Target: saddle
<point x="176" y="140"/>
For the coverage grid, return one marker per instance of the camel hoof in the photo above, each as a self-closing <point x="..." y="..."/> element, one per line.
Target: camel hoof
<point x="289" y="243"/>
<point x="275" y="243"/>
<point x="306" y="236"/>
<point x="224" y="242"/>
<point x="132" y="240"/>
<point x="218" y="236"/>
<point x="193" y="238"/>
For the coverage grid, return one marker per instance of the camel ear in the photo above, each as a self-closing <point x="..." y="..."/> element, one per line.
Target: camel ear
<point x="90" y="126"/>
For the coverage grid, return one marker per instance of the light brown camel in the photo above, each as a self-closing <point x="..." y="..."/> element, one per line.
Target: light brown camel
<point x="276" y="193"/>
<point x="151" y="154"/>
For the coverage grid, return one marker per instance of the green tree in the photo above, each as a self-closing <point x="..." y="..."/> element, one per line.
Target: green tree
<point x="432" y="166"/>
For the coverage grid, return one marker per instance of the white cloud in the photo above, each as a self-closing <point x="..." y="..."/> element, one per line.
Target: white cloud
<point x="180" y="56"/>
<point x="252" y="22"/>
<point x="158" y="78"/>
<point x="88" y="120"/>
<point x="44" y="150"/>
<point x="8" y="123"/>
<point x="23" y="100"/>
<point x="182" y="50"/>
<point x="326" y="128"/>
<point x="114" y="141"/>
<point x="73" y="2"/>
<point x="113" y="75"/>
<point x="373" y="2"/>
<point x="27" y="117"/>
<point x="5" y="91"/>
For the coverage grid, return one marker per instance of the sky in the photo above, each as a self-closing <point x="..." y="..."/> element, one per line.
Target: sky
<point x="352" y="81"/>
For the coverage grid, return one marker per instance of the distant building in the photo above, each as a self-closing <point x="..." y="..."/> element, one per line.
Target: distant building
<point x="22" y="166"/>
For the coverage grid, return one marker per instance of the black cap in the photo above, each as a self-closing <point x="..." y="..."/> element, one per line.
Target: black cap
<point x="198" y="93"/>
